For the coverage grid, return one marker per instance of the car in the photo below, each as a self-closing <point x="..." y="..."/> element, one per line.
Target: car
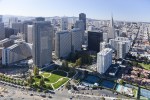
<point x="52" y="92"/>
<point x="31" y="94"/>
<point x="116" y="93"/>
<point x="43" y="95"/>
<point x="1" y="95"/>
<point x="49" y="96"/>
<point x="11" y="98"/>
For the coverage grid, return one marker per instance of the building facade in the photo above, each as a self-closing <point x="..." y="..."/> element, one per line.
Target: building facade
<point x="94" y="38"/>
<point x="82" y="17"/>
<point x="76" y="39"/>
<point x="30" y="34"/>
<point x="64" y="23"/>
<point x="121" y="50"/>
<point x="12" y="20"/>
<point x="118" y="43"/>
<point x="111" y="29"/>
<point x="1" y="18"/>
<point x="42" y="43"/>
<point x="105" y="37"/>
<point x="63" y="44"/>
<point x="104" y="60"/>
<point x="2" y="31"/>
<point x="9" y="32"/>
<point x="103" y="45"/>
<point x="15" y="53"/>
<point x="18" y="27"/>
<point x="4" y="44"/>
<point x="25" y="29"/>
<point x="79" y="24"/>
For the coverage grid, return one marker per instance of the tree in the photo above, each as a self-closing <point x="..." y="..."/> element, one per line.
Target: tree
<point x="102" y="98"/>
<point x="149" y="76"/>
<point x="145" y="60"/>
<point x="41" y="83"/>
<point x="79" y="62"/>
<point x="89" y="60"/>
<point x="134" y="63"/>
<point x="30" y="80"/>
<point x="121" y="82"/>
<point x="64" y="63"/>
<point x="68" y="86"/>
<point x="36" y="71"/>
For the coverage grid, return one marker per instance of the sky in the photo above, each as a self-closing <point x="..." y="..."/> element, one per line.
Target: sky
<point x="125" y="10"/>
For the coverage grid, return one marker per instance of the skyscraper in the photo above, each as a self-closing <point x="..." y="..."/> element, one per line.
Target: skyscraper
<point x="105" y="37"/>
<point x="18" y="27"/>
<point x="9" y="32"/>
<point x="121" y="50"/>
<point x="1" y="18"/>
<point x="104" y="60"/>
<point x="125" y="41"/>
<point x="42" y="43"/>
<point x="12" y="20"/>
<point x="79" y="24"/>
<point x="64" y="23"/>
<point x="111" y="29"/>
<point x="40" y="19"/>
<point x="82" y="17"/>
<point x="30" y="34"/>
<point x="76" y="39"/>
<point x="2" y="31"/>
<point x="63" y="44"/>
<point x="25" y="28"/>
<point x="94" y="39"/>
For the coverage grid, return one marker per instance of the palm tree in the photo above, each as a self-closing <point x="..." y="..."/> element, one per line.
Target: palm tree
<point x="36" y="71"/>
<point x="41" y="83"/>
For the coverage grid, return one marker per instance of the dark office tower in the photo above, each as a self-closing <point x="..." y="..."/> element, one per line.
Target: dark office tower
<point x="42" y="43"/>
<point x="82" y="17"/>
<point x="1" y="17"/>
<point x="94" y="39"/>
<point x="2" y="31"/>
<point x="9" y="32"/>
<point x="40" y="19"/>
<point x="25" y="28"/>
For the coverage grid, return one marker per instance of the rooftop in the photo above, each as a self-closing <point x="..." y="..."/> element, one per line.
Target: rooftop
<point x="62" y="32"/>
<point x="4" y="40"/>
<point x="105" y="51"/>
<point x="13" y="46"/>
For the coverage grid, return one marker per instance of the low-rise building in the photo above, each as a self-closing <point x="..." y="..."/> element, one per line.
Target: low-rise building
<point x="16" y="52"/>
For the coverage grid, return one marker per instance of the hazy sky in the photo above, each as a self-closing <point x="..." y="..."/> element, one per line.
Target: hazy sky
<point x="131" y="10"/>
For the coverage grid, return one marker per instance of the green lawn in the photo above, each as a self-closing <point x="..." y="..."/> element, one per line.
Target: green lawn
<point x="146" y="66"/>
<point x="54" y="77"/>
<point x="59" y="83"/>
<point x="45" y="74"/>
<point x="36" y="79"/>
